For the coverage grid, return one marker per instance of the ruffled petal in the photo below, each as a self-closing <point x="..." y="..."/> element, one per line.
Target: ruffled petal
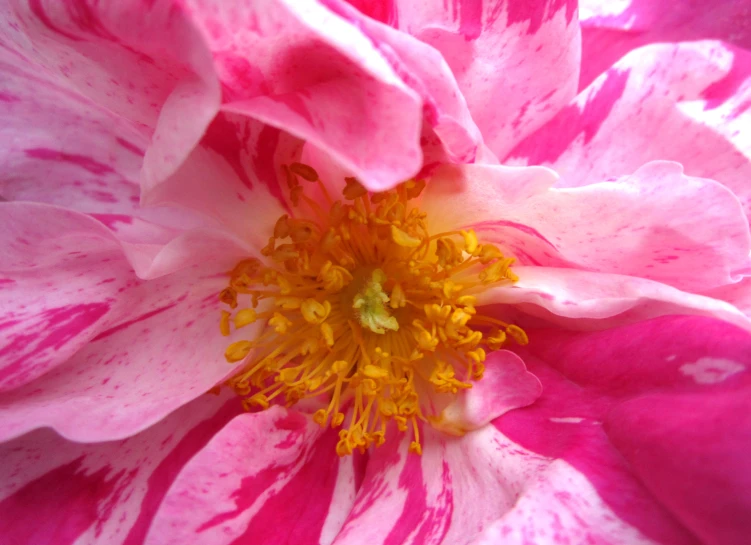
<point x="304" y="69"/>
<point x="480" y="488"/>
<point x="612" y="29"/>
<point x="233" y="179"/>
<point x="657" y="224"/>
<point x="655" y="415"/>
<point x="89" y="348"/>
<point x="268" y="477"/>
<point x="517" y="63"/>
<point x="142" y="60"/>
<point x="55" y="491"/>
<point x="590" y="300"/>
<point x="505" y="385"/>
<point x="61" y="148"/>
<point x="688" y="102"/>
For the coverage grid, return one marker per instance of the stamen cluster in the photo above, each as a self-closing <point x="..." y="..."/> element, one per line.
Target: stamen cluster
<point x="363" y="309"/>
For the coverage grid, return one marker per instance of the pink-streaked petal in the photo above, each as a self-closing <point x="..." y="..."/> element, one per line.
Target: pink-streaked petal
<point x="304" y="69"/>
<point x="612" y="29"/>
<point x="658" y="223"/>
<point x="144" y="61"/>
<point x="472" y="489"/>
<point x="55" y="491"/>
<point x="61" y="276"/>
<point x="516" y="63"/>
<point x="505" y="385"/>
<point x="163" y="350"/>
<point x="60" y="148"/>
<point x="424" y="70"/>
<point x="590" y="300"/>
<point x="642" y="410"/>
<point x="233" y="179"/>
<point x="269" y="477"/>
<point x="694" y="111"/>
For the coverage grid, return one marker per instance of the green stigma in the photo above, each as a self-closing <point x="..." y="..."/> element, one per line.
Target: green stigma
<point x="370" y="304"/>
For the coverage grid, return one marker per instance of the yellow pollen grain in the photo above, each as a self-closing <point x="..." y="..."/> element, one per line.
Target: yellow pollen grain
<point x="363" y="309"/>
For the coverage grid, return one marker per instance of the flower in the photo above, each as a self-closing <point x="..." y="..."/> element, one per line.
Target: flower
<point x="630" y="234"/>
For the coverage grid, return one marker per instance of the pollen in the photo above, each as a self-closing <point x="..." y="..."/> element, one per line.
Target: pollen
<point x="362" y="310"/>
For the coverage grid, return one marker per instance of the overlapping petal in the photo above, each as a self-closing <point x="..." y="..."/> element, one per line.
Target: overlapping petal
<point x="516" y="63"/>
<point x="270" y="477"/>
<point x="687" y="102"/>
<point x="656" y="224"/>
<point x="106" y="348"/>
<point x="55" y="491"/>
<point x="635" y="417"/>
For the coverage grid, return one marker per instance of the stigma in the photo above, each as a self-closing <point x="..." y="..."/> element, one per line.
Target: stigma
<point x="363" y="309"/>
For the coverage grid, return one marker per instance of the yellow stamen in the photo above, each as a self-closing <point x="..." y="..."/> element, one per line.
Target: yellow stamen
<point x="365" y="309"/>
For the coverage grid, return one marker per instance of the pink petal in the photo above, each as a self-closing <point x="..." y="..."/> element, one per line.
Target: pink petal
<point x="506" y="385"/>
<point x="232" y="179"/>
<point x="694" y="111"/>
<point x="589" y="300"/>
<point x="60" y="148"/>
<point x="55" y="491"/>
<point x="424" y="70"/>
<point x="269" y="477"/>
<point x="611" y="29"/>
<point x="61" y="275"/>
<point x="476" y="489"/>
<point x="657" y="224"/>
<point x="315" y="75"/>
<point x="164" y="350"/>
<point x="109" y="352"/>
<point x="143" y="61"/>
<point x="654" y="389"/>
<point x="516" y="62"/>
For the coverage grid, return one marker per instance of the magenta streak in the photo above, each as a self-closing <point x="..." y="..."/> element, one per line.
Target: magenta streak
<point x="141" y="318"/>
<point x="222" y="137"/>
<point x="87" y="163"/>
<point x="416" y="515"/>
<point x="110" y="220"/>
<point x="470" y="18"/>
<point x="533" y="12"/>
<point x="130" y="147"/>
<point x="548" y="144"/>
<point x="57" y="507"/>
<point x="62" y="325"/>
<point x="273" y="523"/>
<point x="165" y="473"/>
<point x="727" y="87"/>
<point x="38" y="10"/>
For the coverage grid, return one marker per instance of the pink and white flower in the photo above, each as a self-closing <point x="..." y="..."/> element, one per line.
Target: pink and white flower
<point x="142" y="150"/>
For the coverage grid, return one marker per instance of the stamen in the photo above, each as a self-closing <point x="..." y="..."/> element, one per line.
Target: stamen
<point x="365" y="309"/>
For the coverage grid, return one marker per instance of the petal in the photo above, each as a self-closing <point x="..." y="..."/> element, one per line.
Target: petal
<point x="424" y="70"/>
<point x="693" y="110"/>
<point x="143" y="61"/>
<point x="99" y="493"/>
<point x="612" y="29"/>
<point x="110" y="353"/>
<point x="656" y="386"/>
<point x="657" y="224"/>
<point x="505" y="385"/>
<point x="516" y="63"/>
<point x="61" y="276"/>
<point x="475" y="489"/>
<point x="271" y="477"/>
<point x="589" y="300"/>
<point x="231" y="180"/>
<point x="60" y="148"/>
<point x="320" y="79"/>
<point x="164" y="350"/>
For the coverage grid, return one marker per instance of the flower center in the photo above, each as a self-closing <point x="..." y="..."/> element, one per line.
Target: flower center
<point x="365" y="310"/>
